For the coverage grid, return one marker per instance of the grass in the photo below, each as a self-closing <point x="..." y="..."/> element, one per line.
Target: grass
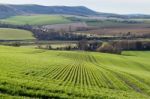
<point x="15" y="34"/>
<point x="36" y="20"/>
<point x="36" y="73"/>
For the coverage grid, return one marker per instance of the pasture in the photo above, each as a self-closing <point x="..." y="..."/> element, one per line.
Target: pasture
<point x="15" y="34"/>
<point x="36" y="20"/>
<point x="36" y="73"/>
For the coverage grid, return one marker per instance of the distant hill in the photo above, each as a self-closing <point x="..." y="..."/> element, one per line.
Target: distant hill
<point x="7" y="10"/>
<point x="11" y="10"/>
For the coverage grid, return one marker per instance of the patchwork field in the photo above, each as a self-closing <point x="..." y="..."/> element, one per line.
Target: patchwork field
<point x="36" y="20"/>
<point x="34" y="73"/>
<point x="15" y="34"/>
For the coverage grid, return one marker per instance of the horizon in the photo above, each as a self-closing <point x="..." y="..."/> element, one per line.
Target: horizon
<point x="77" y="6"/>
<point x="107" y="6"/>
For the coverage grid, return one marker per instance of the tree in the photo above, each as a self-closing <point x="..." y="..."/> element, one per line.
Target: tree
<point x="49" y="47"/>
<point x="108" y="48"/>
<point x="16" y="44"/>
<point x="83" y="45"/>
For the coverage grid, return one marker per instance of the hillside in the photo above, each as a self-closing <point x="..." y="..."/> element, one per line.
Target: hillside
<point x="35" y="20"/>
<point x="11" y="10"/>
<point x="15" y="34"/>
<point x="37" y="73"/>
<point x="8" y="10"/>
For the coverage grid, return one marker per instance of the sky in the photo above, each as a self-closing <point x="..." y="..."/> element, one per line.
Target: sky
<point x="109" y="6"/>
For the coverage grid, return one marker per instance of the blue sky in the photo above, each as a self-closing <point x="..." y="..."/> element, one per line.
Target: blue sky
<point x="111" y="6"/>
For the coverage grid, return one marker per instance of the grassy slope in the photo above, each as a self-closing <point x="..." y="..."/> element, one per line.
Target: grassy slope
<point x="15" y="34"/>
<point x="36" y="20"/>
<point x="61" y="74"/>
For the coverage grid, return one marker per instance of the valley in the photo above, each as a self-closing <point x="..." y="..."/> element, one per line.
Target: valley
<point x="73" y="52"/>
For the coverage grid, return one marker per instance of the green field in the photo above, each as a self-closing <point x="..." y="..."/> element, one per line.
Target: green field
<point x="36" y="20"/>
<point x="113" y="23"/>
<point x="15" y="34"/>
<point x="141" y="20"/>
<point x="35" y="73"/>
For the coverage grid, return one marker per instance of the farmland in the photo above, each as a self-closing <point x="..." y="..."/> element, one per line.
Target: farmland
<point x="36" y="73"/>
<point x="77" y="25"/>
<point x="118" y="27"/>
<point x="35" y="20"/>
<point x="107" y="23"/>
<point x="15" y="34"/>
<point x="118" y="31"/>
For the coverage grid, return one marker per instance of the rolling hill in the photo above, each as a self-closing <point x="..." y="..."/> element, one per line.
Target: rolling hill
<point x="14" y="10"/>
<point x="8" y="10"/>
<point x="15" y="34"/>
<point x="34" y="73"/>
